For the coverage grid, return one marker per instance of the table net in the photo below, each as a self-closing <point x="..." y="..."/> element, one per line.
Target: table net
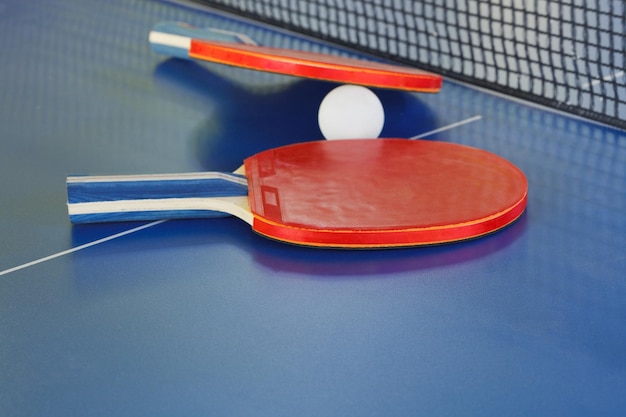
<point x="566" y="54"/>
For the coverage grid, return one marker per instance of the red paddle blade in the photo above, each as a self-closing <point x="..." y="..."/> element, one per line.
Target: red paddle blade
<point x="316" y="65"/>
<point x="382" y="193"/>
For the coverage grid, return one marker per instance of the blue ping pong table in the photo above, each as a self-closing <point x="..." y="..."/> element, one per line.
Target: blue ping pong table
<point x="205" y="318"/>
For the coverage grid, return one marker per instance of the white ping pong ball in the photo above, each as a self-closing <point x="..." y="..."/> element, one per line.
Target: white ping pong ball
<point x="351" y="112"/>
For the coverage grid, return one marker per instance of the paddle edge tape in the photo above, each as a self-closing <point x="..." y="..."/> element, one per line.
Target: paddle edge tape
<point x="391" y="238"/>
<point x="317" y="66"/>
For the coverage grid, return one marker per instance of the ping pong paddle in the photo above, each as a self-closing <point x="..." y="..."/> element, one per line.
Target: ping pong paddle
<point x="223" y="47"/>
<point x="344" y="193"/>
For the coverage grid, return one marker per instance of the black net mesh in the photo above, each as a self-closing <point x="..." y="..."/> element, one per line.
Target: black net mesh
<point x="567" y="54"/>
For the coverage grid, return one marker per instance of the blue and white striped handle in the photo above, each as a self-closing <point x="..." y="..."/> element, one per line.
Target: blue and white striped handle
<point x="174" y="38"/>
<point x="94" y="199"/>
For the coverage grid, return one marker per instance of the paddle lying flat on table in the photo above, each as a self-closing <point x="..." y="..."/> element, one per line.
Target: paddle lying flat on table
<point x="345" y="193"/>
<point x="184" y="41"/>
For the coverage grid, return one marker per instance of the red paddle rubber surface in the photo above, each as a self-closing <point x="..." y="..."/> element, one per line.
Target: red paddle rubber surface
<point x="317" y="66"/>
<point x="382" y="193"/>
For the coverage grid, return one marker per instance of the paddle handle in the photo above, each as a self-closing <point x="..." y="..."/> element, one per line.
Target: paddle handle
<point x="95" y="199"/>
<point x="174" y="38"/>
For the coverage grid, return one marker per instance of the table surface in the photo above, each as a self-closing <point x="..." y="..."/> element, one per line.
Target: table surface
<point x="205" y="318"/>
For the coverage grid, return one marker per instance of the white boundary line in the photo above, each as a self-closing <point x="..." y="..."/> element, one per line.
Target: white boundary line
<point x="145" y="226"/>
<point x="610" y="77"/>
<point x="448" y="127"/>
<point x="77" y="248"/>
